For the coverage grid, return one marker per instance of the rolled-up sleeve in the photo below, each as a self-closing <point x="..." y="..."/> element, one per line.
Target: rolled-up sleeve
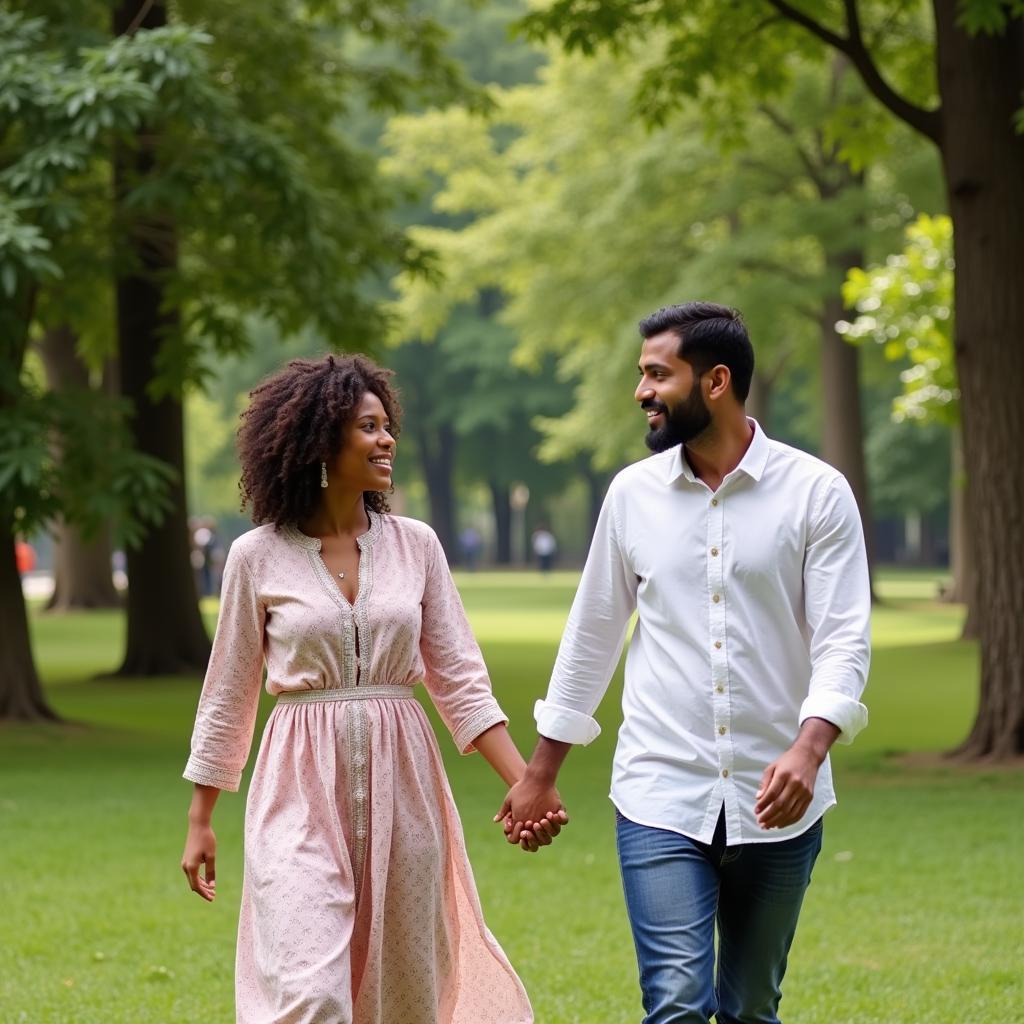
<point x="226" y="716"/>
<point x="455" y="674"/>
<point x="593" y="637"/>
<point x="837" y="593"/>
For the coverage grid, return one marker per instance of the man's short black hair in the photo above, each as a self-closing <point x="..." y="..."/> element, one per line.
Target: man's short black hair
<point x="708" y="334"/>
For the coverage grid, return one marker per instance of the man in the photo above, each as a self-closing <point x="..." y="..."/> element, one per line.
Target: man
<point x="744" y="560"/>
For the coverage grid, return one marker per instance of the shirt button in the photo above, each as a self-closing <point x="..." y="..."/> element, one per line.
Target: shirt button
<point x="721" y="730"/>
<point x="725" y="773"/>
<point x="714" y="552"/>
<point x="715" y="598"/>
<point x="719" y="688"/>
<point x="714" y="501"/>
<point x="718" y="645"/>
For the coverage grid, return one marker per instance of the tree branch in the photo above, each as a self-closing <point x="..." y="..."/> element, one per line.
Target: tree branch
<point x="814" y="171"/>
<point x="771" y="376"/>
<point x="753" y="164"/>
<point x="139" y="18"/>
<point x="807" y="22"/>
<point x="761" y="266"/>
<point x="927" y="122"/>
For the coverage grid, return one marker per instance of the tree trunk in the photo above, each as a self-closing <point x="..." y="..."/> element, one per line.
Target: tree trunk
<point x="437" y="457"/>
<point x="21" y="696"/>
<point x="981" y="80"/>
<point x="842" y="443"/>
<point x="961" y="552"/>
<point x="82" y="571"/>
<point x="82" y="575"/>
<point x="597" y="485"/>
<point x="165" y="632"/>
<point x="759" y="402"/>
<point x="502" y="523"/>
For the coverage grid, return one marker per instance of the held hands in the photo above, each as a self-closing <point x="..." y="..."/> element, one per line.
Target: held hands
<point x="200" y="848"/>
<point x="532" y="814"/>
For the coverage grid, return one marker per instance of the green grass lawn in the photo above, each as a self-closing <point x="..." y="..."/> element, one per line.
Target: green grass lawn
<point x="915" y="914"/>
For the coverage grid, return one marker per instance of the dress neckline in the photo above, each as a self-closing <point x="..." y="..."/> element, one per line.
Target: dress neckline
<point x="291" y="532"/>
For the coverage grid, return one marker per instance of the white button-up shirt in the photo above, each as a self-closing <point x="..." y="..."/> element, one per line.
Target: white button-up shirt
<point x="753" y="613"/>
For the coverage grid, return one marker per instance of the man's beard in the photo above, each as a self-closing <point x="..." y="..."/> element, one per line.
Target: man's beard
<point x="682" y="423"/>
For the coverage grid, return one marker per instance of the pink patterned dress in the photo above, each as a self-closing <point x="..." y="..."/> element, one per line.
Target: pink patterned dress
<point x="358" y="902"/>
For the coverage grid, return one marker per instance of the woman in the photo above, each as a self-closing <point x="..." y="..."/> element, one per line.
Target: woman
<point x="358" y="903"/>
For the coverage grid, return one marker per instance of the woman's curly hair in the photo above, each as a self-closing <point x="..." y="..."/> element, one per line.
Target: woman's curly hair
<point x="295" y="421"/>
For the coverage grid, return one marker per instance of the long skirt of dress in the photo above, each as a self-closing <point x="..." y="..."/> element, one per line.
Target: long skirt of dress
<point x="358" y="903"/>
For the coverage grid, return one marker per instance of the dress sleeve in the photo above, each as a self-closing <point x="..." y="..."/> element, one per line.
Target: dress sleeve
<point x="456" y="676"/>
<point x="227" y="706"/>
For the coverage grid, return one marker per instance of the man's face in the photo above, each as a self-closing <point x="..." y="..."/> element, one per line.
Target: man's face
<point x="669" y="392"/>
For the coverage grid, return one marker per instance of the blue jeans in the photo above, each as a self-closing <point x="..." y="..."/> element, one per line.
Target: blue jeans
<point x="676" y="889"/>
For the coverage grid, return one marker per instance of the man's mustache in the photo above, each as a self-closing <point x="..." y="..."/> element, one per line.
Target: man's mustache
<point x="653" y="403"/>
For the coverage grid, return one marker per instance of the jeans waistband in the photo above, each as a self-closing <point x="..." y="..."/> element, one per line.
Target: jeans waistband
<point x="346" y="693"/>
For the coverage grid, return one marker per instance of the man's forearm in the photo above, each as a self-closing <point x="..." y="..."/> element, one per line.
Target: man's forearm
<point x="816" y="737"/>
<point x="546" y="760"/>
<point x="535" y="794"/>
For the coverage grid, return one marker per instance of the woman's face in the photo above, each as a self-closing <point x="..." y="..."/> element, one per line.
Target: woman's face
<point x="367" y="450"/>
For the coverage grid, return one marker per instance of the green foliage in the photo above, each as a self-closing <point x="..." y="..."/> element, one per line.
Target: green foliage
<point x="481" y="39"/>
<point x="70" y="454"/>
<point x="587" y="220"/>
<point x="53" y="112"/>
<point x="734" y="56"/>
<point x="906" y="306"/>
<point x="908" y="467"/>
<point x="243" y="174"/>
<point x="988" y="16"/>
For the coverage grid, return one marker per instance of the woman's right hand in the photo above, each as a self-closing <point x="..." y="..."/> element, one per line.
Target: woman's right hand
<point x="200" y="850"/>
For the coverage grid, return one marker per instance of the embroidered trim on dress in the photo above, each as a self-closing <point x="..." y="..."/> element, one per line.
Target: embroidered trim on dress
<point x="360" y="614"/>
<point x="376" y="692"/>
<point x="348" y="642"/>
<point x="210" y="775"/>
<point x="293" y="533"/>
<point x="356" y="615"/>
<point x="359" y="751"/>
<point x="480" y="722"/>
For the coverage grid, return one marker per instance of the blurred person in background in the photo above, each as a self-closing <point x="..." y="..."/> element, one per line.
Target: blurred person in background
<point x="545" y="547"/>
<point x="24" y="557"/>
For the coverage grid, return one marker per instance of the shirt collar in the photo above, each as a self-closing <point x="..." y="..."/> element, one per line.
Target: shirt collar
<point x="755" y="458"/>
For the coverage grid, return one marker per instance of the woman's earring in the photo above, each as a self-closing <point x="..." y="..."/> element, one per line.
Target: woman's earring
<point x="323" y="474"/>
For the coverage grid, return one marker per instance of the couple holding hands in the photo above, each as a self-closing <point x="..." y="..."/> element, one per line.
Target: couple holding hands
<point x="744" y="562"/>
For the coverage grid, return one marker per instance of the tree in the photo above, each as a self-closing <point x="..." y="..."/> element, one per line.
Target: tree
<point x="583" y="221"/>
<point x="62" y="454"/>
<point x="906" y="307"/>
<point x="972" y="55"/>
<point x="82" y="564"/>
<point x="469" y="413"/>
<point x="247" y="196"/>
<point x="240" y="195"/>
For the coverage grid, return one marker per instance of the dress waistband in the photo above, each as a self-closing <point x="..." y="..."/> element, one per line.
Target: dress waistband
<point x="346" y="693"/>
